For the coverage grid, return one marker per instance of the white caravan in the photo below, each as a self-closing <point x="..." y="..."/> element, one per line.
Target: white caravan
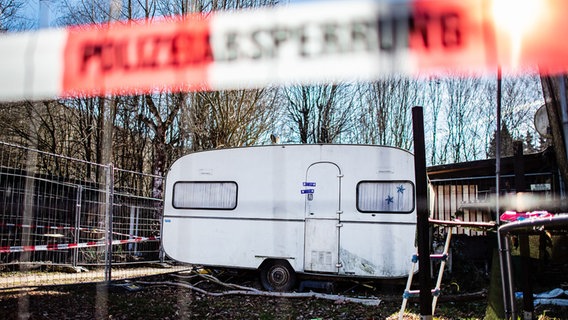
<point x="338" y="210"/>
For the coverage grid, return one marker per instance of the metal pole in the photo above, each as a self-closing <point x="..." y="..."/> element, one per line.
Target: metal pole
<point x="506" y="275"/>
<point x="498" y="147"/>
<point x="501" y="241"/>
<point x="422" y="224"/>
<point x="108" y="213"/>
<point x="77" y="223"/>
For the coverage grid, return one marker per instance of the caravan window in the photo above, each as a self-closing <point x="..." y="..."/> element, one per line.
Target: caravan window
<point x="385" y="196"/>
<point x="205" y="195"/>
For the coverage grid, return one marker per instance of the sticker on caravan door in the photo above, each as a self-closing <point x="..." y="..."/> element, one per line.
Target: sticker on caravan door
<point x="308" y="184"/>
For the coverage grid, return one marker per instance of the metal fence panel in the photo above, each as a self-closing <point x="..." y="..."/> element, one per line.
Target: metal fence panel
<point x="53" y="212"/>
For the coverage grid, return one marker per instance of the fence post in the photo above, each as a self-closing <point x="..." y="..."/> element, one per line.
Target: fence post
<point x="29" y="207"/>
<point x="77" y="223"/>
<point x="422" y="214"/>
<point x="108" y="215"/>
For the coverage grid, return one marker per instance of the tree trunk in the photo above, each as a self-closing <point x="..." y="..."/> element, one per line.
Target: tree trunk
<point x="551" y="92"/>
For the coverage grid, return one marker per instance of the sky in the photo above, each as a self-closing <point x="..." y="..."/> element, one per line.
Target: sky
<point x="42" y="13"/>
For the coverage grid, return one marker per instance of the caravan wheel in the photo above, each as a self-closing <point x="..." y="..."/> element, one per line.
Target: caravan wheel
<point x="277" y="275"/>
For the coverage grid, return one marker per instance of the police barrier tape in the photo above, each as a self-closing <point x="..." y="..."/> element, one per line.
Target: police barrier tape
<point x="64" y="246"/>
<point x="302" y="43"/>
<point x="48" y="247"/>
<point x="47" y="227"/>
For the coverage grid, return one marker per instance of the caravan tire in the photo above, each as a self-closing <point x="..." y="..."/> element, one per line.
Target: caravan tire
<point x="277" y="275"/>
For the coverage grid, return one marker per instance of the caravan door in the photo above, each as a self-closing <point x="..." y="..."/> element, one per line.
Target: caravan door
<point x="323" y="208"/>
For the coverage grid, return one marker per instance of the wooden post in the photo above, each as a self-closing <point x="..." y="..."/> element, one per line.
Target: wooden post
<point x="422" y="214"/>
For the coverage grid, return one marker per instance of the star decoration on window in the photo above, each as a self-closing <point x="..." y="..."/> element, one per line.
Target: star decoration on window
<point x="389" y="199"/>
<point x="400" y="189"/>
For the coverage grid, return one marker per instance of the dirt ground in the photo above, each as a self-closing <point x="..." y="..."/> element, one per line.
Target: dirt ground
<point x="144" y="298"/>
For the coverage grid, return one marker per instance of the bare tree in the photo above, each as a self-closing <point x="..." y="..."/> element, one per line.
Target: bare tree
<point x="158" y="112"/>
<point x="231" y="118"/>
<point x="318" y="113"/>
<point x="384" y="115"/>
<point x="433" y="104"/>
<point x="12" y="16"/>
<point x="464" y="102"/>
<point x="132" y="142"/>
<point x="54" y="126"/>
<point x="86" y="122"/>
<point x="521" y="97"/>
<point x="83" y="12"/>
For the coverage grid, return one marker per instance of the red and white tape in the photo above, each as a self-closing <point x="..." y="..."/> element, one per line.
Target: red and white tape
<point x="64" y="246"/>
<point x="303" y="43"/>
<point x="48" y="227"/>
<point x="45" y="227"/>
